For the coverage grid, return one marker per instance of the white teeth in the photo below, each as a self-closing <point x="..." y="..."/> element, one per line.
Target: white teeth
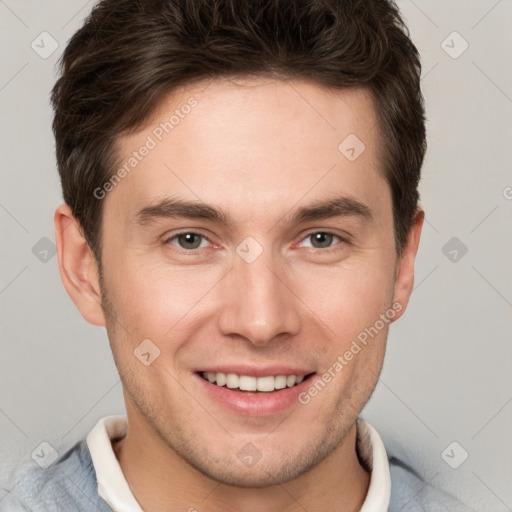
<point x="232" y="380"/>
<point x="280" y="382"/>
<point x="265" y="383"/>
<point x="247" y="383"/>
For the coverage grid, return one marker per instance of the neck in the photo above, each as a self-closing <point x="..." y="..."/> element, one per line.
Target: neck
<point x="161" y="480"/>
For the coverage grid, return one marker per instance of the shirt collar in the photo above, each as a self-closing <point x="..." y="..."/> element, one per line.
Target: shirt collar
<point x="114" y="489"/>
<point x="373" y="453"/>
<point x="112" y="485"/>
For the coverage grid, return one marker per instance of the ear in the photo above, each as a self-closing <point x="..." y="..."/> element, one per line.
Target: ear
<point x="404" y="280"/>
<point x="77" y="266"/>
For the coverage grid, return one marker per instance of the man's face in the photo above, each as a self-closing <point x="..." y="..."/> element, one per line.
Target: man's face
<point x="266" y="294"/>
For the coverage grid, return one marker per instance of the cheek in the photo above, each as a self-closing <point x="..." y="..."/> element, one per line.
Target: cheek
<point x="349" y="298"/>
<point x="153" y="298"/>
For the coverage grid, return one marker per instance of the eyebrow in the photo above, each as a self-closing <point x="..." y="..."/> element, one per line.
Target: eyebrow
<point x="342" y="206"/>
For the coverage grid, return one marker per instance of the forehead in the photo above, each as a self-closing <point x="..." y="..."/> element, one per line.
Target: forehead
<point x="253" y="145"/>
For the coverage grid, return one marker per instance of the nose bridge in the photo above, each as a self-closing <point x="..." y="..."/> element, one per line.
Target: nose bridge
<point x="258" y="305"/>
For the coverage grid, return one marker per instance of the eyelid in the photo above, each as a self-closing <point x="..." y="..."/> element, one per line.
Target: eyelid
<point x="195" y="231"/>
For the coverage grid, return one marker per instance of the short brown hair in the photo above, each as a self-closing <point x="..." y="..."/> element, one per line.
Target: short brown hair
<point x="130" y="54"/>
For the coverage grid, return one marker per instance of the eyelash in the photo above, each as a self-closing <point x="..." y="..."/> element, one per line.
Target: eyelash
<point x="327" y="249"/>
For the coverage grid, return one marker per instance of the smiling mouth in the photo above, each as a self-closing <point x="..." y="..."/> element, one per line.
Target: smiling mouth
<point x="254" y="385"/>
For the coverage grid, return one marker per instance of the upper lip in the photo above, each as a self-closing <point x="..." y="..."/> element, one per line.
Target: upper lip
<point x="254" y="371"/>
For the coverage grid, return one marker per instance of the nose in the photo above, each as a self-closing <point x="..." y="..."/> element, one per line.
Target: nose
<point x="258" y="302"/>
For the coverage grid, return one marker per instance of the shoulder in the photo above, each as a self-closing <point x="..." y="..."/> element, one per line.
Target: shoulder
<point x="410" y="493"/>
<point x="68" y="484"/>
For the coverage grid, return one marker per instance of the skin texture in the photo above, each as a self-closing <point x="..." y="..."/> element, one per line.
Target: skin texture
<point x="258" y="149"/>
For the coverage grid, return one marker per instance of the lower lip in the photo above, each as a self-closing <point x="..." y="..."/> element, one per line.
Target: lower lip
<point x="261" y="404"/>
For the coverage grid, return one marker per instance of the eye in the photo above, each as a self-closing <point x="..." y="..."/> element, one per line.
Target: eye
<point x="188" y="240"/>
<point x="322" y="239"/>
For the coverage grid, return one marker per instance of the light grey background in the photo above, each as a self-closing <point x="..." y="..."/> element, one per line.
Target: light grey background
<point x="447" y="371"/>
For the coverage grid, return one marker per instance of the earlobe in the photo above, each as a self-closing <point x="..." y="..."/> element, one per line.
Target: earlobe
<point x="77" y="266"/>
<point x="404" y="281"/>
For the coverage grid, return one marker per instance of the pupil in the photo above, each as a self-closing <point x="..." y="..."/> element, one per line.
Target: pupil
<point x="324" y="239"/>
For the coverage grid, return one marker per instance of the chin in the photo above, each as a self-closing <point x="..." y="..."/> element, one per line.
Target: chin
<point x="253" y="477"/>
<point x="262" y="469"/>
